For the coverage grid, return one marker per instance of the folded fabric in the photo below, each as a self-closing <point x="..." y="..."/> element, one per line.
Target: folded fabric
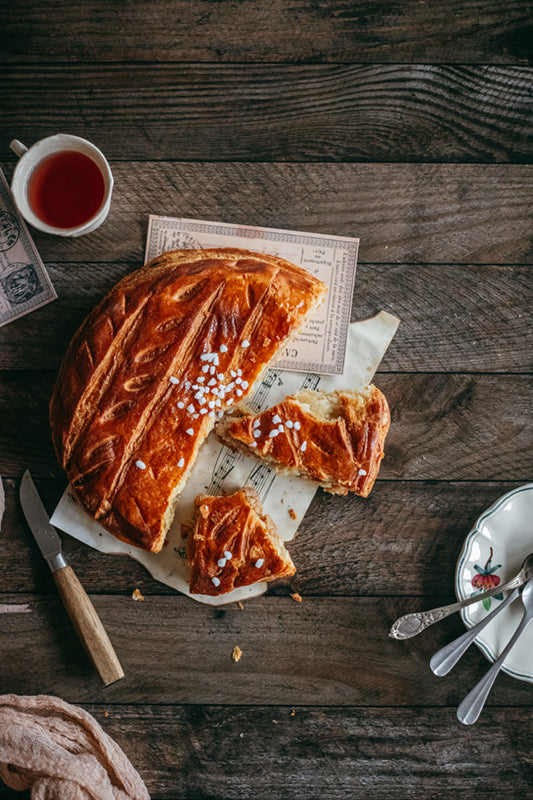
<point x="60" y="752"/>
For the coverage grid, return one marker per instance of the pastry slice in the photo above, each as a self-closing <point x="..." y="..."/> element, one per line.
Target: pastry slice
<point x="234" y="543"/>
<point x="332" y="438"/>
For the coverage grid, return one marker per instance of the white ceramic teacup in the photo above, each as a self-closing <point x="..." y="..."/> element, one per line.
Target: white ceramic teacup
<point x="30" y="158"/>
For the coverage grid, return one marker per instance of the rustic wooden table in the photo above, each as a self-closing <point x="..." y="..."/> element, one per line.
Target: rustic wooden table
<point x="408" y="125"/>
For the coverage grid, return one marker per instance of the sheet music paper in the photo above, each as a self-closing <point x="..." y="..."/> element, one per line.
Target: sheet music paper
<point x="321" y="345"/>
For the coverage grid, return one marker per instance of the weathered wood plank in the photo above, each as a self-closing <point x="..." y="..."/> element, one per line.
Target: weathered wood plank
<point x="331" y="753"/>
<point x="456" y="318"/>
<point x="325" y="651"/>
<point x="278" y="112"/>
<point x="454" y="427"/>
<point x="444" y="426"/>
<point x="338" y="748"/>
<point x="270" y="30"/>
<point x="402" y="213"/>
<point x="403" y="540"/>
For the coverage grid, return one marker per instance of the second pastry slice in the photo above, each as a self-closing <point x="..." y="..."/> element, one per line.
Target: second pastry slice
<point x="332" y="438"/>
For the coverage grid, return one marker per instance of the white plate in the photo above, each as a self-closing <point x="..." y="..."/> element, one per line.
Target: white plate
<point x="497" y="546"/>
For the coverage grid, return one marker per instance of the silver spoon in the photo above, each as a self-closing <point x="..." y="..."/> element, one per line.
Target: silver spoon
<point x="448" y="656"/>
<point x="471" y="707"/>
<point x="413" y="624"/>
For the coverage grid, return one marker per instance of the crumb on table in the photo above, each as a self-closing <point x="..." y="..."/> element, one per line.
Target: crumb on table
<point x="136" y="595"/>
<point x="237" y="653"/>
<point x="297" y="597"/>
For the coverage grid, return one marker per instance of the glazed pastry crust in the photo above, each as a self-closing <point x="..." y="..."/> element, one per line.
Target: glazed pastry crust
<point x="126" y="419"/>
<point x="236" y="526"/>
<point x="335" y="439"/>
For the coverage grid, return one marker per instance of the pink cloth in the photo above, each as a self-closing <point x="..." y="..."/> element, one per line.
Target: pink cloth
<point x="62" y="753"/>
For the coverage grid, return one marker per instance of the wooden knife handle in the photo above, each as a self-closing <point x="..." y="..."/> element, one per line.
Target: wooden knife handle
<point x="87" y="625"/>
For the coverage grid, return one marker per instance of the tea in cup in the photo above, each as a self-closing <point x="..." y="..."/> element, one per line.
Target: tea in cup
<point x="62" y="184"/>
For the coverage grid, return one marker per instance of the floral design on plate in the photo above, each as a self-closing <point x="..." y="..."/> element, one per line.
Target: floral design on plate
<point x="485" y="579"/>
<point x="506" y="528"/>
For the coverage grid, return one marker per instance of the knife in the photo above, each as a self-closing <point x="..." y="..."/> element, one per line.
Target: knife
<point x="81" y="611"/>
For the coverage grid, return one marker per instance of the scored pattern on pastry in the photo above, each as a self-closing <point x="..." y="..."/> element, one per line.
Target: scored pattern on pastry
<point x="233" y="543"/>
<point x="172" y="346"/>
<point x="334" y="439"/>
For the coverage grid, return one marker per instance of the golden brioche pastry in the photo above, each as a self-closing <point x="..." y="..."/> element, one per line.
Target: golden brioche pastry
<point x="332" y="438"/>
<point x="171" y="347"/>
<point x="234" y="544"/>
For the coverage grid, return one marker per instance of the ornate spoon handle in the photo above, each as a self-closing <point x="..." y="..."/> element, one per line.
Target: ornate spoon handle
<point x="413" y="624"/>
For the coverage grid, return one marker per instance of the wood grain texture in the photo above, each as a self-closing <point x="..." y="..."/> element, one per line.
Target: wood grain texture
<point x="473" y="318"/>
<point x="407" y="124"/>
<point x="444" y="426"/>
<point x="279" y="112"/>
<point x="268" y="31"/>
<point x="447" y="247"/>
<point x="335" y="754"/>
<point x="453" y="317"/>
<point x="402" y="213"/>
<point x="403" y="540"/>
<point x="326" y="651"/>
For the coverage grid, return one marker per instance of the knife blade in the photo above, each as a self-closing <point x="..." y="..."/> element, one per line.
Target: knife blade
<point x="80" y="609"/>
<point x="44" y="534"/>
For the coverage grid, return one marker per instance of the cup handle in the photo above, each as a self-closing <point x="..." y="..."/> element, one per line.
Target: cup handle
<point x="18" y="148"/>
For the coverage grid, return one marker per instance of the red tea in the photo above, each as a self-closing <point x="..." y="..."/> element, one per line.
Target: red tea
<point x="66" y="189"/>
